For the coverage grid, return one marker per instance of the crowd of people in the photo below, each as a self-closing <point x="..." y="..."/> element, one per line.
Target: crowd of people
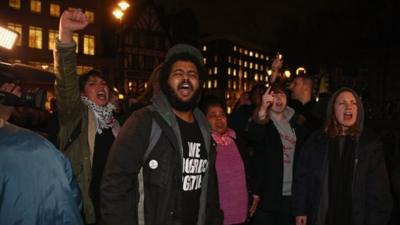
<point x="179" y="158"/>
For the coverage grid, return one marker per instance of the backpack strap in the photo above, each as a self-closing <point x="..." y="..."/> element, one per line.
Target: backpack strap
<point x="155" y="134"/>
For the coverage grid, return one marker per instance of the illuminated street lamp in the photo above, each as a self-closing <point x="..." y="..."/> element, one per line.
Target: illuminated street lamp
<point x="287" y="74"/>
<point x="7" y="38"/>
<point x="300" y="70"/>
<point x="118" y="14"/>
<point x="123" y="5"/>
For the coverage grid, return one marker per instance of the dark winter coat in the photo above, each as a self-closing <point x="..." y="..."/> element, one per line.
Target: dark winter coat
<point x="371" y="200"/>
<point x="269" y="161"/>
<point x="162" y="186"/>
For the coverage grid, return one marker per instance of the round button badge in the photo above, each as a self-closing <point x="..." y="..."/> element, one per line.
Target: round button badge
<point x="153" y="164"/>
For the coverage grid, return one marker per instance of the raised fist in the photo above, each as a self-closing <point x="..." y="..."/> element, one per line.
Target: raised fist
<point x="70" y="21"/>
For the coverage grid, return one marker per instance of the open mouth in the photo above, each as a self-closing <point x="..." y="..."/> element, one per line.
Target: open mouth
<point x="347" y="115"/>
<point x="101" y="95"/>
<point x="185" y="88"/>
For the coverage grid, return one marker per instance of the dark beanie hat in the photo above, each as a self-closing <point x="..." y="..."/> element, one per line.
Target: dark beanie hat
<point x="183" y="52"/>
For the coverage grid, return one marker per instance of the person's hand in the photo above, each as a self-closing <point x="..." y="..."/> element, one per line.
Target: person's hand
<point x="70" y="21"/>
<point x="254" y="205"/>
<point x="301" y="220"/>
<point x="6" y="111"/>
<point x="266" y="100"/>
<point x="11" y="88"/>
<point x="276" y="66"/>
<point x="277" y="63"/>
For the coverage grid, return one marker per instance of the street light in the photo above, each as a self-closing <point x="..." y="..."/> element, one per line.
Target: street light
<point x="287" y="74"/>
<point x="123" y="5"/>
<point x="7" y="38"/>
<point x="119" y="11"/>
<point x="118" y="14"/>
<point x="300" y="70"/>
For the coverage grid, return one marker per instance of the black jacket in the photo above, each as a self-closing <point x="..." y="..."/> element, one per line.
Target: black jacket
<point x="371" y="200"/>
<point x="163" y="185"/>
<point x="269" y="162"/>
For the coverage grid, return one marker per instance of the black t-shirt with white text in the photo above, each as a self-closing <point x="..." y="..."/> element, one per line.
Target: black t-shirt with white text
<point x="195" y="164"/>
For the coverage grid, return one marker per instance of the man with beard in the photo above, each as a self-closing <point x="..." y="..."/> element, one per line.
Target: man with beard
<point x="179" y="180"/>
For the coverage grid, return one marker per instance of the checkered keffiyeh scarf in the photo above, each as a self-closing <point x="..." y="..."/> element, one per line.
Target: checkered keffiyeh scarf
<point x="104" y="116"/>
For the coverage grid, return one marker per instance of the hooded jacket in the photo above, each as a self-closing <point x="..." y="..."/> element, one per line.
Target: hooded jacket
<point x="163" y="184"/>
<point x="371" y="200"/>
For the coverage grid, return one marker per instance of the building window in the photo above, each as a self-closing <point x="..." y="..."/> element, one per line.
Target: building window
<point x="204" y="48"/>
<point x="256" y="66"/>
<point x="229" y="84"/>
<point x="209" y="71"/>
<point x="251" y="53"/>
<point x="234" y="48"/>
<point x="246" y="52"/>
<point x="240" y="62"/>
<point x="16" y="4"/>
<point x="215" y="83"/>
<point x="17" y="28"/>
<point x="36" y="6"/>
<point x="205" y="61"/>
<point x="54" y="10"/>
<point x="256" y="55"/>
<point x="229" y="59"/>
<point x="75" y="37"/>
<point x="229" y="71"/>
<point x="234" y="72"/>
<point x="53" y="35"/>
<point x="215" y="58"/>
<point x="215" y="70"/>
<point x="262" y="56"/>
<point x="245" y="64"/>
<point x="89" y="16"/>
<point x="245" y="74"/>
<point x="209" y="84"/>
<point x="35" y="37"/>
<point x="251" y="65"/>
<point x="88" y="45"/>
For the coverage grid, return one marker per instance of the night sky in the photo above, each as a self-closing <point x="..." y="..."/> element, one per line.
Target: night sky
<point x="308" y="32"/>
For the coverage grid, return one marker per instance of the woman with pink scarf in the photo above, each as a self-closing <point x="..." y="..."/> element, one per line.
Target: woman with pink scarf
<point x="232" y="173"/>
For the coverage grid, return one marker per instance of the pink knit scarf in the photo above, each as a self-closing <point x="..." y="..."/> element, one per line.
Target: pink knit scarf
<point x="225" y="138"/>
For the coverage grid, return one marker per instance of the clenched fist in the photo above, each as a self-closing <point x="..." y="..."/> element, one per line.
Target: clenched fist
<point x="70" y="21"/>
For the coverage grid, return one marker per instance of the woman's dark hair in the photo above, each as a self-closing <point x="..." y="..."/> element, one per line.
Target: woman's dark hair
<point x="92" y="73"/>
<point x="211" y="100"/>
